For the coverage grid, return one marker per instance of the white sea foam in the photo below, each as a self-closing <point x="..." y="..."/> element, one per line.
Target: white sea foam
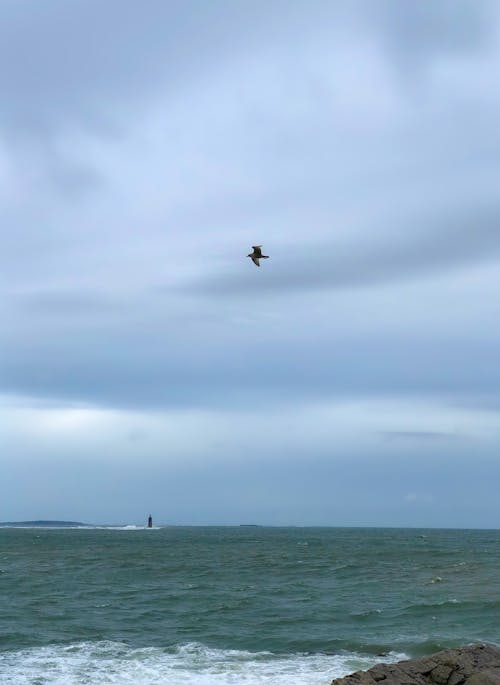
<point x="130" y="526"/>
<point x="112" y="663"/>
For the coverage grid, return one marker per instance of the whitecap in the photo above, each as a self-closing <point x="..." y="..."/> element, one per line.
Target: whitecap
<point x="110" y="663"/>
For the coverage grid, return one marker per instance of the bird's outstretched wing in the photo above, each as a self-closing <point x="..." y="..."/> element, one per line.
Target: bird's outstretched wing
<point x="257" y="251"/>
<point x="255" y="260"/>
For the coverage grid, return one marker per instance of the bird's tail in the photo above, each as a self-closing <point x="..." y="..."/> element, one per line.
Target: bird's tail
<point x="264" y="256"/>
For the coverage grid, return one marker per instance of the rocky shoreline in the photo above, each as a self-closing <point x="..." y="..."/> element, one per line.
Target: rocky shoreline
<point x="470" y="665"/>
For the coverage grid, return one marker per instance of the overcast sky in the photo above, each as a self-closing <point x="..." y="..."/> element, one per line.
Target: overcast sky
<point x="146" y="365"/>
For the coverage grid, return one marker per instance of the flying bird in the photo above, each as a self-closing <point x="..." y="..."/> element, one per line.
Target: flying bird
<point x="257" y="254"/>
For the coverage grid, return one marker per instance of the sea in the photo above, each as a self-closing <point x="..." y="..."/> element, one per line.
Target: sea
<point x="237" y="605"/>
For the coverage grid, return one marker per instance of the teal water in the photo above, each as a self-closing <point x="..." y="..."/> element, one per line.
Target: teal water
<point x="188" y="604"/>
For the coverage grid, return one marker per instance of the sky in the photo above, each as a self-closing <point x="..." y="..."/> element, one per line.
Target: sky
<point x="146" y="365"/>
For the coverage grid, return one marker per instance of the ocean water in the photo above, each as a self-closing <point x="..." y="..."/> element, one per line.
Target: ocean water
<point x="253" y="606"/>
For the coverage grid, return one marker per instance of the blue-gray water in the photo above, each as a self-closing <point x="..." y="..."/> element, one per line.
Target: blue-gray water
<point x="258" y="605"/>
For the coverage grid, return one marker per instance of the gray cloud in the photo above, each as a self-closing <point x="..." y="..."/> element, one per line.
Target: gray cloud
<point x="64" y="57"/>
<point x="143" y="149"/>
<point x="418" y="435"/>
<point x="97" y="363"/>
<point x="60" y="303"/>
<point x="72" y="61"/>
<point x="417" y="33"/>
<point x="415" y="247"/>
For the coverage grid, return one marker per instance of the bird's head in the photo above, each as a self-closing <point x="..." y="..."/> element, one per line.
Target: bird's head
<point x="249" y="255"/>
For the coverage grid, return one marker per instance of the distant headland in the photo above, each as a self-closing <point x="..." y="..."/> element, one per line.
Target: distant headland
<point x="42" y="524"/>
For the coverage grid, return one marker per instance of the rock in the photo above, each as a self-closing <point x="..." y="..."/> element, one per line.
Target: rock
<point x="471" y="665"/>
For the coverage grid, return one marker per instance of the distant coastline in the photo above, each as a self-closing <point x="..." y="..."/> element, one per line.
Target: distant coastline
<point x="42" y="524"/>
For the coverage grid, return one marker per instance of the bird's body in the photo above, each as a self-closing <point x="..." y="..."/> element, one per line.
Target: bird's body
<point x="257" y="254"/>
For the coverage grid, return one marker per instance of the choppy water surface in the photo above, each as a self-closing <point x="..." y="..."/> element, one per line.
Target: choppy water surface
<point x="260" y="605"/>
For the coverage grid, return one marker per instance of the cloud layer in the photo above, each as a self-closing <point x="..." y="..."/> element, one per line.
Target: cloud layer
<point x="143" y="150"/>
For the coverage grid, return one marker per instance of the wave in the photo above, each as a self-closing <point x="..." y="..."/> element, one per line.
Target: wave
<point x="453" y="604"/>
<point x="129" y="526"/>
<point x="107" y="663"/>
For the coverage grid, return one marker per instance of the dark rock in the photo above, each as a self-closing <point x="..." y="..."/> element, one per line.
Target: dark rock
<point x="472" y="665"/>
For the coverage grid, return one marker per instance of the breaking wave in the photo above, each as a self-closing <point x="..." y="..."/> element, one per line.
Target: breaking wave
<point x="110" y="663"/>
